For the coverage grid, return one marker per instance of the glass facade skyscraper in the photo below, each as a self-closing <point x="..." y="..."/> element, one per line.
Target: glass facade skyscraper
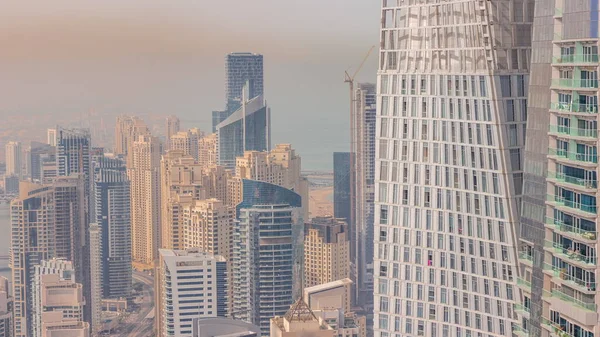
<point x="246" y="129"/>
<point x="363" y="136"/>
<point x="267" y="244"/>
<point x="451" y="114"/>
<point x="241" y="69"/>
<point x="113" y="214"/>
<point x="558" y="235"/>
<point x="341" y="185"/>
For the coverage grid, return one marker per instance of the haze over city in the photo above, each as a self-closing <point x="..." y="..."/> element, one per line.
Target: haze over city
<point x="389" y="168"/>
<point x="66" y="58"/>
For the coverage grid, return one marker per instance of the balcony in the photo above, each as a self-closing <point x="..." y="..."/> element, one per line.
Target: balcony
<point x="574" y="107"/>
<point x="574" y="84"/>
<point x="573" y="180"/>
<point x="520" y="331"/>
<point x="526" y="258"/>
<point x="573" y="256"/>
<point x="560" y="201"/>
<point x="573" y="132"/>
<point x="574" y="156"/>
<point x="523" y="284"/>
<point x="575" y="59"/>
<point x="521" y="309"/>
<point x="569" y="280"/>
<point x="571" y="231"/>
<point x="590" y="306"/>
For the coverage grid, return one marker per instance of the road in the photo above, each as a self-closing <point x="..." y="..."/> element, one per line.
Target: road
<point x="140" y="325"/>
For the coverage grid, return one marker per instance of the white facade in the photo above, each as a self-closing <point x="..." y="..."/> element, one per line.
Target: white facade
<point x="96" y="275"/>
<point x="14" y="163"/>
<point x="55" y="290"/>
<point x="451" y="112"/>
<point x="191" y="284"/>
<point x="51" y="137"/>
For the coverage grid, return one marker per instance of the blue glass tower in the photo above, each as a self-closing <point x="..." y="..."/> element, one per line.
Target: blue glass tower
<point x="267" y="245"/>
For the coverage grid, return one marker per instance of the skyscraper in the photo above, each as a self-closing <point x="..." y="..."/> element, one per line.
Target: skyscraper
<point x="281" y="166"/>
<point x="341" y="190"/>
<point x="71" y="232"/>
<point x="127" y="130"/>
<point x="64" y="271"/>
<point x="14" y="162"/>
<point x="6" y="309"/>
<point x="452" y="89"/>
<point x="171" y="127"/>
<point x="39" y="155"/>
<point x="181" y="183"/>
<point x="59" y="303"/>
<point x="208" y="226"/>
<point x="207" y="151"/>
<point x="96" y="276"/>
<point x="191" y="284"/>
<point x="187" y="141"/>
<point x="144" y="173"/>
<point x="242" y="68"/>
<point x="363" y="136"/>
<point x="73" y="148"/>
<point x="51" y="137"/>
<point x="267" y="246"/>
<point x="246" y="129"/>
<point x="558" y="235"/>
<point x="32" y="240"/>
<point x="326" y="251"/>
<point x="112" y="195"/>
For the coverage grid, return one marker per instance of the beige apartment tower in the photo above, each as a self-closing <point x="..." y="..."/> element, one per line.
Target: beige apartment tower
<point x="144" y="173"/>
<point x="207" y="151"/>
<point x="326" y="251"/>
<point x="208" y="226"/>
<point x="172" y="125"/>
<point x="32" y="240"/>
<point x="181" y="183"/>
<point x="187" y="141"/>
<point x="280" y="166"/>
<point x="126" y="132"/>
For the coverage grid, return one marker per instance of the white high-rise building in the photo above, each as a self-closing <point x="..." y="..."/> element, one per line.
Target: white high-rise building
<point x="452" y="89"/>
<point x="51" y="137"/>
<point x="46" y="295"/>
<point x="190" y="284"/>
<point x="13" y="159"/>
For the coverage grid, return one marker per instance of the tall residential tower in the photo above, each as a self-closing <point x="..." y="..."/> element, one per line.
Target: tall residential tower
<point x="363" y="162"/>
<point x="452" y="89"/>
<point x="558" y="251"/>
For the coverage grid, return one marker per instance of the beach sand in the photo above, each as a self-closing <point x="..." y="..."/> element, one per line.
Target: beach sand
<point x="321" y="201"/>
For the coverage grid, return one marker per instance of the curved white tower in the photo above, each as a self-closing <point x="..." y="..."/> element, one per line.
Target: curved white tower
<point x="452" y="89"/>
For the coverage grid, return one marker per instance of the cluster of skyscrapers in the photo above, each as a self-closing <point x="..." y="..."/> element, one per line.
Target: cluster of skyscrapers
<point x="466" y="207"/>
<point x="221" y="219"/>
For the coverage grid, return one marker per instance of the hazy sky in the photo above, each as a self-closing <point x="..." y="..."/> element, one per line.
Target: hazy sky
<point x="167" y="57"/>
